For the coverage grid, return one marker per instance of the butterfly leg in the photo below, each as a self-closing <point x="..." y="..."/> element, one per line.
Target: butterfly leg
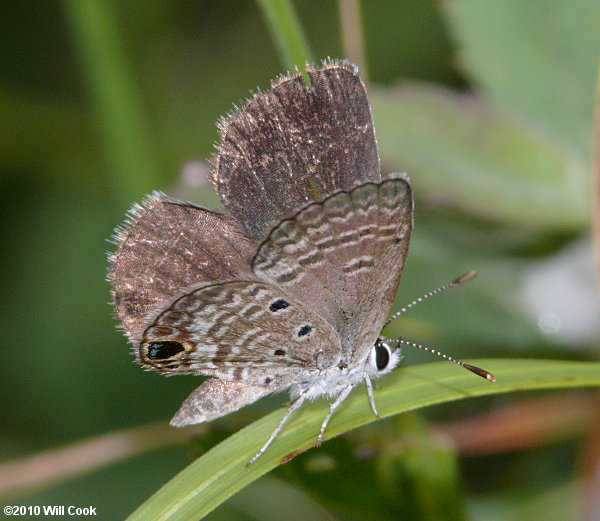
<point x="341" y="397"/>
<point x="294" y="405"/>
<point x="371" y="397"/>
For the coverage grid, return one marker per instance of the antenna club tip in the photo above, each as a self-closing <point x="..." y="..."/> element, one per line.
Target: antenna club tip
<point x="466" y="277"/>
<point x="480" y="372"/>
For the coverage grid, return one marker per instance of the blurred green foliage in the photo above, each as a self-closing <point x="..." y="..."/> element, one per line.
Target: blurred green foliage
<point x="493" y="123"/>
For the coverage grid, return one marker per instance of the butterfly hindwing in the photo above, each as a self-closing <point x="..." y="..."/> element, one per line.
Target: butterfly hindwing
<point x="235" y="331"/>
<point x="214" y="398"/>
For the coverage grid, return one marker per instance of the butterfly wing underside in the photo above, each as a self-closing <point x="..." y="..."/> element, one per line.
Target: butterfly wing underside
<point x="294" y="145"/>
<point x="299" y="167"/>
<point x="344" y="257"/>
<point x="177" y="292"/>
<point x="169" y="245"/>
<point x="247" y="331"/>
<point x="300" y="273"/>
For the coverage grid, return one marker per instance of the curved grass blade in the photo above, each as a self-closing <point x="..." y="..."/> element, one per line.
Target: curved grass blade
<point x="222" y="471"/>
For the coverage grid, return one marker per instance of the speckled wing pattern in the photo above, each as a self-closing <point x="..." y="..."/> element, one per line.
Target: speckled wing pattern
<point x="294" y="145"/>
<point x="166" y="246"/>
<point x="299" y="274"/>
<point x="235" y="330"/>
<point x="343" y="257"/>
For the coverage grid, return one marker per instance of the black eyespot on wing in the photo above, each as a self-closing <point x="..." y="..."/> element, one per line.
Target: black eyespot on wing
<point x="304" y="330"/>
<point x="397" y="240"/>
<point x="279" y="352"/>
<point x="268" y="380"/>
<point x="279" y="304"/>
<point x="382" y="356"/>
<point x="163" y="350"/>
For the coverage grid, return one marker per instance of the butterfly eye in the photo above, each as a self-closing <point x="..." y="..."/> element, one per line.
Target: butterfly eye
<point x="380" y="355"/>
<point x="163" y="350"/>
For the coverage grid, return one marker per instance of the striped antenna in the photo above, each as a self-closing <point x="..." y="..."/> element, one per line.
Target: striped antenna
<point x="460" y="280"/>
<point x="474" y="369"/>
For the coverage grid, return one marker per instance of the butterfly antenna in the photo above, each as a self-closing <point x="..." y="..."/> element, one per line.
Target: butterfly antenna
<point x="474" y="369"/>
<point x="460" y="280"/>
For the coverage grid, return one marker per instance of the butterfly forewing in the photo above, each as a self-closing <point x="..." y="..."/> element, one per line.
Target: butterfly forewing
<point x="167" y="246"/>
<point x="293" y="145"/>
<point x="381" y="262"/>
<point x="343" y="258"/>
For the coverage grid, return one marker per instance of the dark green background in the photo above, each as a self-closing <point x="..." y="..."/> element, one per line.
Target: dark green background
<point x="467" y="71"/>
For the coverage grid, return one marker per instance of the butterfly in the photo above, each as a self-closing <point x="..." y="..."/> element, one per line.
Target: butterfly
<point x="291" y="286"/>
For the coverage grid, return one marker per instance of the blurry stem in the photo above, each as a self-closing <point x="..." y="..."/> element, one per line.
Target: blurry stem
<point x="55" y="465"/>
<point x="132" y="162"/>
<point x="596" y="184"/>
<point x="287" y="34"/>
<point x="522" y="425"/>
<point x="352" y="35"/>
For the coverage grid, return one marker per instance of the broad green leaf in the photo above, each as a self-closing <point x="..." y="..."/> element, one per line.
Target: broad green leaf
<point x="222" y="471"/>
<point x="462" y="151"/>
<point x="538" y="59"/>
<point x="487" y="313"/>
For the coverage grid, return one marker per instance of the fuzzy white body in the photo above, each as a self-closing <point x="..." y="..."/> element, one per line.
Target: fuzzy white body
<point x="331" y="382"/>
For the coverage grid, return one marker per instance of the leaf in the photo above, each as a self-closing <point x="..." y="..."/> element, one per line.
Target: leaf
<point x="538" y="59"/>
<point x="466" y="153"/>
<point x="273" y="499"/>
<point x="222" y="471"/>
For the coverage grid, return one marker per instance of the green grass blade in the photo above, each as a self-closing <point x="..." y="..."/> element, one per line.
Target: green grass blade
<point x="132" y="162"/>
<point x="221" y="472"/>
<point x="287" y="34"/>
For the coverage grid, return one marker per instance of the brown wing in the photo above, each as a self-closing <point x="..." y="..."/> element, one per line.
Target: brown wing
<point x="168" y="245"/>
<point x="294" y="145"/>
<point x="240" y="330"/>
<point x="215" y="398"/>
<point x="343" y="257"/>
